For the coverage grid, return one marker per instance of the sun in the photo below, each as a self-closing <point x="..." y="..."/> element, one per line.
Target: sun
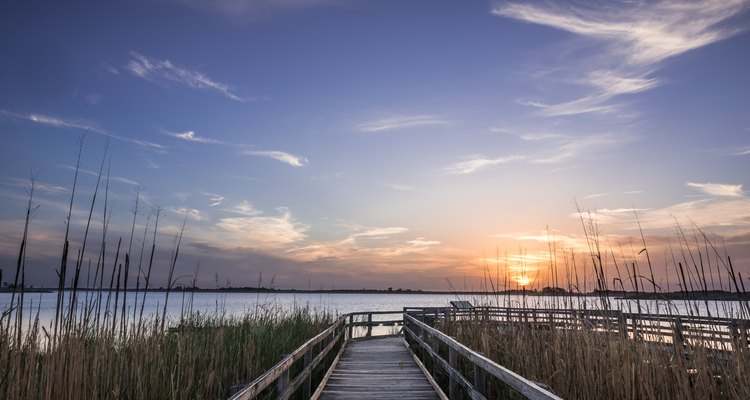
<point x="522" y="280"/>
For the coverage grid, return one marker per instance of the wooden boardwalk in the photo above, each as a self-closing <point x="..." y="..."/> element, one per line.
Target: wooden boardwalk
<point x="380" y="368"/>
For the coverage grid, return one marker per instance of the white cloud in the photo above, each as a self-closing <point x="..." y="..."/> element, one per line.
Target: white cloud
<point x="532" y="137"/>
<point x="718" y="189"/>
<point x="80" y="124"/>
<point x="191" y="213"/>
<point x="571" y="147"/>
<point x="477" y="163"/>
<point x="381" y="232"/>
<point x="215" y="199"/>
<point x="119" y="179"/>
<point x="555" y="148"/>
<point x="716" y="213"/>
<point x="743" y="151"/>
<point x="400" y="122"/>
<point x="264" y="231"/>
<point x="246" y="10"/>
<point x="597" y="195"/>
<point x="244" y="208"/>
<point x="636" y="37"/>
<point x="403" y="188"/>
<point x="611" y="83"/>
<point x="284" y="157"/>
<point x="190" y="136"/>
<point x="643" y="33"/>
<point x="422" y="242"/>
<point x="166" y="71"/>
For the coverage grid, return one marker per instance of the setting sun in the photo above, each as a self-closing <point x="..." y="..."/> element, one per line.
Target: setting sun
<point x="522" y="280"/>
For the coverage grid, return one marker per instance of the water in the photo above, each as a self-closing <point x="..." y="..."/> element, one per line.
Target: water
<point x="238" y="304"/>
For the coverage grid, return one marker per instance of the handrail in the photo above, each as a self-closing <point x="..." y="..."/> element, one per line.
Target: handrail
<point x="711" y="332"/>
<point x="281" y="369"/>
<point x="680" y="329"/>
<point x="524" y="386"/>
<point x="279" y="373"/>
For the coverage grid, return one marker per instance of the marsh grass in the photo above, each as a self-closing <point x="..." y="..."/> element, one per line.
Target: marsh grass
<point x="96" y="348"/>
<point x="201" y="358"/>
<point x="582" y="364"/>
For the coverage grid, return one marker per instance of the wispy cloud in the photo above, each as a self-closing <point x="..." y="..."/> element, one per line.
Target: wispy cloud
<point x="264" y="231"/>
<point x="246" y="11"/>
<point x="119" y="179"/>
<point x="191" y="213"/>
<point x="400" y="122"/>
<point x="718" y="213"/>
<point x="549" y="148"/>
<point x="166" y="71"/>
<point x="190" y="136"/>
<point x="571" y="147"/>
<point x="405" y="188"/>
<point x="742" y="151"/>
<point x="597" y="195"/>
<point x="478" y="163"/>
<point x="636" y="37"/>
<point x="422" y="242"/>
<point x="215" y="199"/>
<point x="284" y="157"/>
<point x="642" y="33"/>
<point x="78" y="124"/>
<point x="381" y="232"/>
<point x="718" y="189"/>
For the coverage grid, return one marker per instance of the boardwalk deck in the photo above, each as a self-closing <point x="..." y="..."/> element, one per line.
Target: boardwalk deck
<point x="377" y="369"/>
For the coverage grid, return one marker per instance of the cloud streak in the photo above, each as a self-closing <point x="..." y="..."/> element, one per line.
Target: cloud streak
<point x="718" y="189"/>
<point x="78" y="124"/>
<point x="190" y="136"/>
<point x="635" y="40"/>
<point x="478" y="163"/>
<point x="400" y="122"/>
<point x="160" y="71"/>
<point x="264" y="231"/>
<point x="284" y="157"/>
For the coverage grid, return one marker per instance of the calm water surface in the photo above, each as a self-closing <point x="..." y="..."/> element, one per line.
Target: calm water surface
<point x="238" y="304"/>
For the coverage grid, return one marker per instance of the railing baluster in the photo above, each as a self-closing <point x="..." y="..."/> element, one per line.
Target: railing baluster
<point x="480" y="379"/>
<point x="369" y="324"/>
<point x="351" y="326"/>
<point x="307" y="385"/>
<point x="452" y="362"/>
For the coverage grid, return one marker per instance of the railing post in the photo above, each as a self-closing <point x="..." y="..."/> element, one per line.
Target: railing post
<point x="369" y="324"/>
<point x="480" y="379"/>
<point x="734" y="332"/>
<point x="351" y="326"/>
<point x="307" y="385"/>
<point x="453" y="388"/>
<point x="623" y="324"/>
<point x="282" y="383"/>
<point x="679" y="337"/>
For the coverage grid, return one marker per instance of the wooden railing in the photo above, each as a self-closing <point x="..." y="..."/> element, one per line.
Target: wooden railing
<point x="420" y="334"/>
<point x="726" y="334"/>
<point x="316" y="354"/>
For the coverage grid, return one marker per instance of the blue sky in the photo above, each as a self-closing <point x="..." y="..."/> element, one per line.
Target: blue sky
<point x="374" y="143"/>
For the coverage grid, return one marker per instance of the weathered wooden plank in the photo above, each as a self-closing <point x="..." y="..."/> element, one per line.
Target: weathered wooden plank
<point x="378" y="369"/>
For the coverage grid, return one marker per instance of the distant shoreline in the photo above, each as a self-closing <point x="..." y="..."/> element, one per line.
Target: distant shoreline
<point x="695" y="295"/>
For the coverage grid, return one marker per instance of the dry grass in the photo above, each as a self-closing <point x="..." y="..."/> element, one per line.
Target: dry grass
<point x="200" y="359"/>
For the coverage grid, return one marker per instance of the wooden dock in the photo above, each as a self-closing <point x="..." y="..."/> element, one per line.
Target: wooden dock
<point x="352" y="360"/>
<point x="381" y="368"/>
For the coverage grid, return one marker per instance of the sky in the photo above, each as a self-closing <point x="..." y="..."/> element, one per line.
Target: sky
<point x="371" y="144"/>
